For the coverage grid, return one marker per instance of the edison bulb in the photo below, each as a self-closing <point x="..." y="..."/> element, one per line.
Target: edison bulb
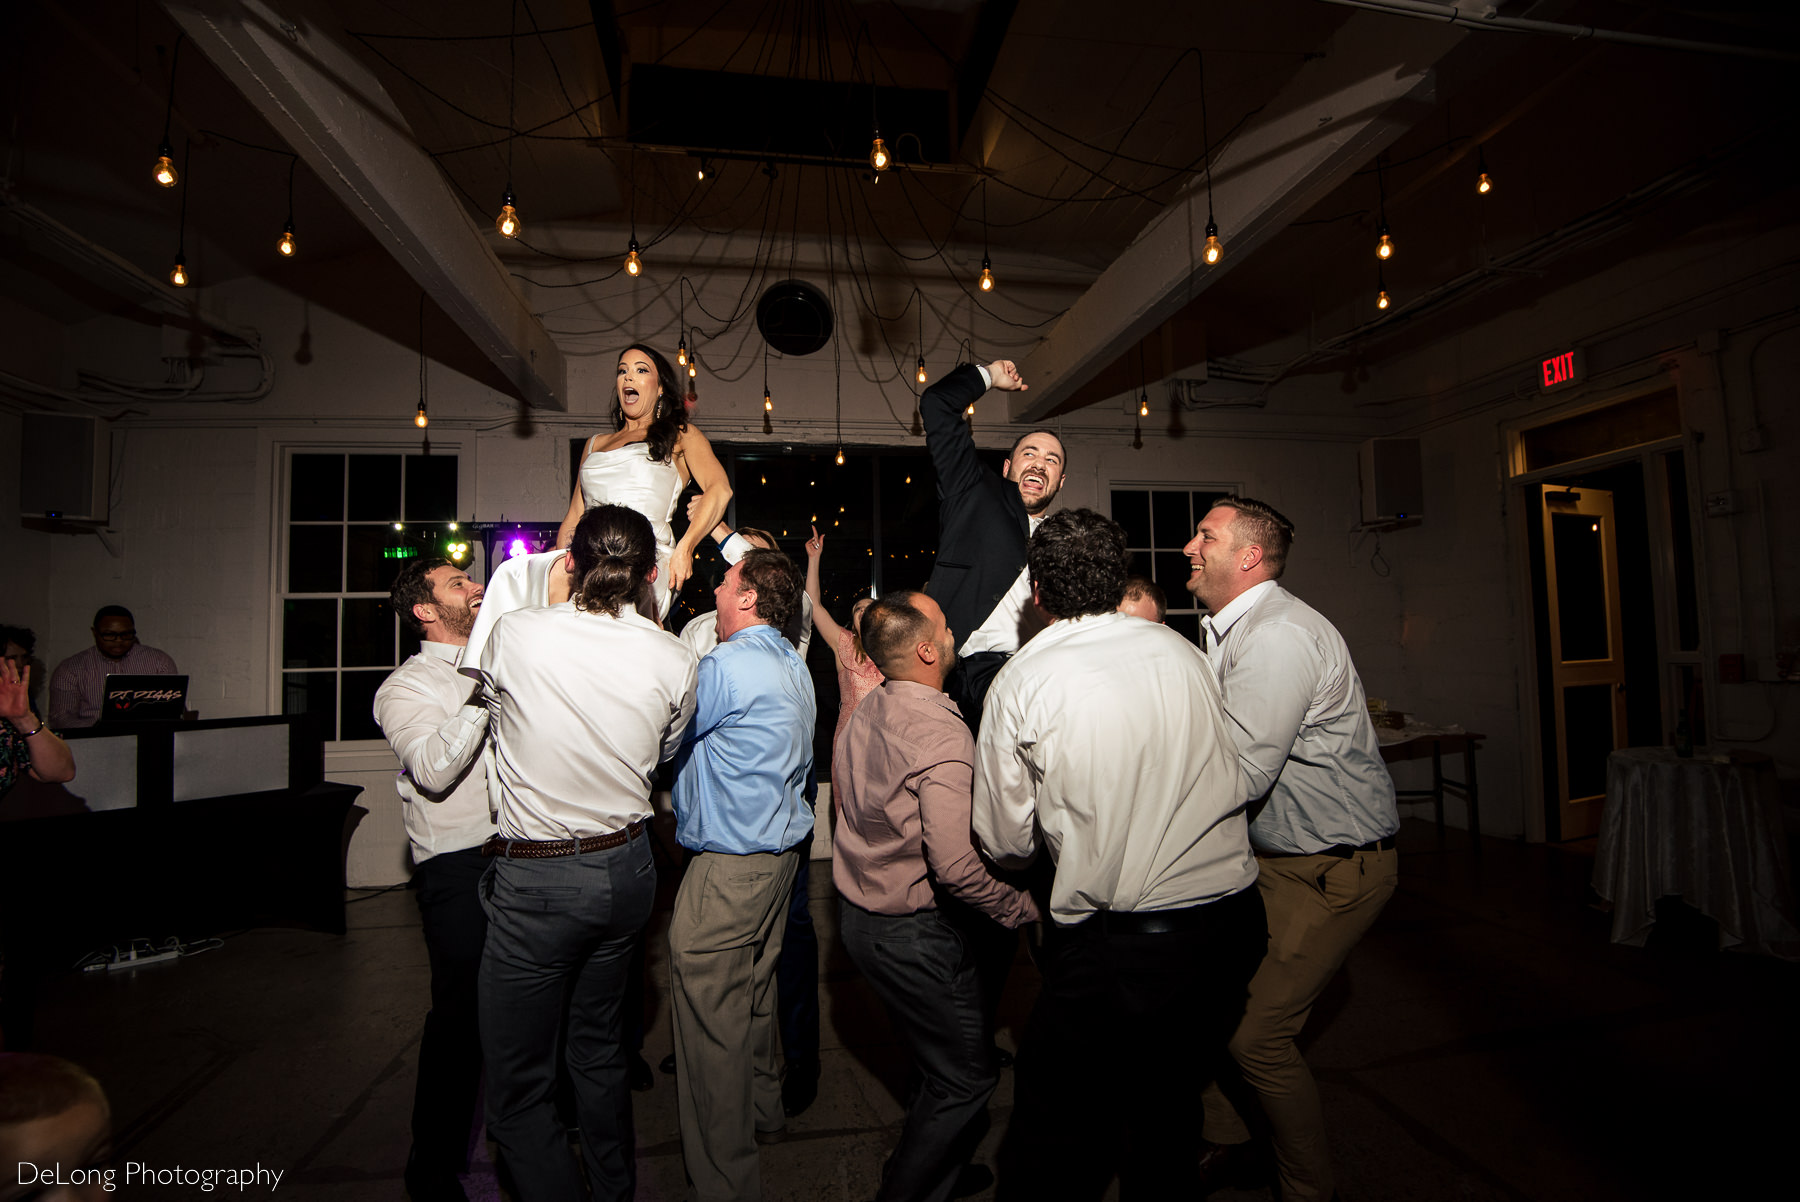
<point x="693" y="369"/>
<point x="1143" y="405"/>
<point x="840" y="459"/>
<point x="287" y="245"/>
<point x="987" y="275"/>
<point x="768" y="407"/>
<point x="1484" y="185"/>
<point x="681" y="352"/>
<point x="878" y="155"/>
<point x="1381" y="300"/>
<point x="1215" y="250"/>
<point x="1384" y="249"/>
<point x="164" y="171"/>
<point x="970" y="411"/>
<point x="508" y="223"/>
<point x="419" y="418"/>
<point x="178" y="274"/>
<point x="921" y="370"/>
<point x="634" y="265"/>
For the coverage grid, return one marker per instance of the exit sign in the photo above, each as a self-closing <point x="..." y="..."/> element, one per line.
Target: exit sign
<point x="1561" y="370"/>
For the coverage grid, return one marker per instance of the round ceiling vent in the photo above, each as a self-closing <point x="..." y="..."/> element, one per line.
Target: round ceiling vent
<point x="794" y="317"/>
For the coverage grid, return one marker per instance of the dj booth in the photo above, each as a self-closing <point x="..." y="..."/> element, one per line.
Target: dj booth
<point x="174" y="828"/>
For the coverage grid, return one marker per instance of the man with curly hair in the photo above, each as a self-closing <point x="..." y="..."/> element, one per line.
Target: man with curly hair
<point x="1104" y="743"/>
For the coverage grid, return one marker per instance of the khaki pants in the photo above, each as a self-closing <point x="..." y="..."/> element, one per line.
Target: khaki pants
<point x="1319" y="907"/>
<point x="724" y="937"/>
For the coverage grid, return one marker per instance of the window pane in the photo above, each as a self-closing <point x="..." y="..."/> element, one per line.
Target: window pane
<point x="1172" y="571"/>
<point x="309" y="634"/>
<point x="409" y="642"/>
<point x="370" y="568"/>
<point x="431" y="488"/>
<point x="374" y="488"/>
<point x="1581" y="586"/>
<point x="1588" y="735"/>
<point x="316" y="493"/>
<point x="368" y="632"/>
<point x="1629" y="423"/>
<point x="1186" y="625"/>
<point x="311" y="693"/>
<point x="1131" y="509"/>
<point x="1170" y="526"/>
<point x="315" y="559"/>
<point x="359" y="705"/>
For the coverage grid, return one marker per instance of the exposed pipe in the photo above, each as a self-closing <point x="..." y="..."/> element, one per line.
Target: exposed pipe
<point x="1450" y="14"/>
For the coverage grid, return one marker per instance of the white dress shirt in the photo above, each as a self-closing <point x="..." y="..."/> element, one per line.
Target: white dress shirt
<point x="1008" y="627"/>
<point x="702" y="631"/>
<point x="1301" y="725"/>
<point x="436" y="722"/>
<point x="584" y="708"/>
<point x="1107" y="731"/>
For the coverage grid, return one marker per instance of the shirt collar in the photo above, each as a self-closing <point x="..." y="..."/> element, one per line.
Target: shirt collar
<point x="450" y="653"/>
<point x="750" y="631"/>
<point x="1222" y="622"/>
<point x="924" y="692"/>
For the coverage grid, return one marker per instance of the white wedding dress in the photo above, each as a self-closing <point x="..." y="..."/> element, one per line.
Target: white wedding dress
<point x="622" y="476"/>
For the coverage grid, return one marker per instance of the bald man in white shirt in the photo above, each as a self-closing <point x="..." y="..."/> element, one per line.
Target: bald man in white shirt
<point x="1323" y="819"/>
<point x="1104" y="742"/>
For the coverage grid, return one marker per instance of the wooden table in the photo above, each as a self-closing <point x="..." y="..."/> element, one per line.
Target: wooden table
<point x="1416" y="743"/>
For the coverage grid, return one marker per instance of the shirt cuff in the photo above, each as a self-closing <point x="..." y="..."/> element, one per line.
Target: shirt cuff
<point x="735" y="547"/>
<point x="987" y="377"/>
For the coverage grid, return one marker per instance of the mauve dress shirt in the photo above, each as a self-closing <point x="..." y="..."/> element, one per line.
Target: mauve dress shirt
<point x="78" y="682"/>
<point x="905" y="766"/>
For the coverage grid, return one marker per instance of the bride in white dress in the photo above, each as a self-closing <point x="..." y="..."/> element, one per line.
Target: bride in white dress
<point x="644" y="464"/>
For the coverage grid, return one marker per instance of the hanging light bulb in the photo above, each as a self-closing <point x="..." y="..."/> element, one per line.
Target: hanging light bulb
<point x="921" y="371"/>
<point x="1381" y="299"/>
<point x="987" y="275"/>
<point x="178" y="274"/>
<point x="970" y="411"/>
<point x="693" y="369"/>
<point x="840" y="457"/>
<point x="287" y="245"/>
<point x="1215" y="250"/>
<point x="419" y="418"/>
<point x="508" y="223"/>
<point x="1143" y="403"/>
<point x="878" y="154"/>
<point x="634" y="265"/>
<point x="1384" y="249"/>
<point x="700" y="172"/>
<point x="1485" y="184"/>
<point x="768" y="405"/>
<point x="681" y="355"/>
<point x="164" y="171"/>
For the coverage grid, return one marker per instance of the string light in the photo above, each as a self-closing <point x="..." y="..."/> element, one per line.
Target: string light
<point x="634" y="265"/>
<point x="681" y="355"/>
<point x="1381" y="299"/>
<point x="987" y="267"/>
<point x="178" y="274"/>
<point x="508" y="222"/>
<point x="164" y="172"/>
<point x="1143" y="403"/>
<point x="419" y="418"/>
<point x="840" y="457"/>
<point x="987" y="275"/>
<point x="1214" y="250"/>
<point x="920" y="372"/>
<point x="768" y="401"/>
<point x="1384" y="248"/>
<point x="1485" y="183"/>
<point x="878" y="154"/>
<point x="1381" y="296"/>
<point x="287" y="245"/>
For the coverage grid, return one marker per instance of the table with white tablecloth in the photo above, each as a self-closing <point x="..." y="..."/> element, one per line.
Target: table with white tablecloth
<point x="1706" y="829"/>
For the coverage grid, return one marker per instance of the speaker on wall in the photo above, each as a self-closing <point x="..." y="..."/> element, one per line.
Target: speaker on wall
<point x="1393" y="480"/>
<point x="65" y="466"/>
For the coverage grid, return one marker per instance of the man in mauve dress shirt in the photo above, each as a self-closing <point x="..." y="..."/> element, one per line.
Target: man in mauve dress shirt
<point x="743" y="804"/>
<point x="1105" y="733"/>
<point x="1323" y="825"/>
<point x="436" y="720"/>
<point x="905" y="767"/>
<point x="79" y="682"/>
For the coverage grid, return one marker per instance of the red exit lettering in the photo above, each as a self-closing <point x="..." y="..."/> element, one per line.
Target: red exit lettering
<point x="1559" y="369"/>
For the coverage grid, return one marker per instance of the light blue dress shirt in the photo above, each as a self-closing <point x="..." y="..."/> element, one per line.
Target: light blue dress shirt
<point x="744" y="775"/>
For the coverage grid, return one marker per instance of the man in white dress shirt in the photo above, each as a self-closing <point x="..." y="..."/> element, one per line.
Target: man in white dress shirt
<point x="436" y="721"/>
<point x="587" y="696"/>
<point x="1323" y="820"/>
<point x="1104" y="742"/>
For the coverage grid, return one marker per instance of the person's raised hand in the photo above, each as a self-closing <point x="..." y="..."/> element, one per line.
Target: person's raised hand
<point x="1005" y="375"/>
<point x="815" y="546"/>
<point x="15" y="690"/>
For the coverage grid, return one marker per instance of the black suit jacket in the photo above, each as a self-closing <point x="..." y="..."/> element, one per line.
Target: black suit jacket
<point x="982" y="525"/>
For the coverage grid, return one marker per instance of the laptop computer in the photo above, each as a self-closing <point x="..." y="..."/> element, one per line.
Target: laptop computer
<point x="143" y="698"/>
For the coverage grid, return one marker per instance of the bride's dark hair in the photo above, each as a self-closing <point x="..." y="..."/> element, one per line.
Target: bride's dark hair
<point x="668" y="418"/>
<point x="614" y="549"/>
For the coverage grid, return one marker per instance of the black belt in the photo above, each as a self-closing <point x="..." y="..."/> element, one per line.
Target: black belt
<point x="1341" y="851"/>
<point x="1167" y="922"/>
<point x="550" y="849"/>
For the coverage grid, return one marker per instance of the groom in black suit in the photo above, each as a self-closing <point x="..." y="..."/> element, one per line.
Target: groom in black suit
<point x="984" y="523"/>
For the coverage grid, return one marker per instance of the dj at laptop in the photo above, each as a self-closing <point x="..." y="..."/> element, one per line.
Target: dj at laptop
<point x="78" y="686"/>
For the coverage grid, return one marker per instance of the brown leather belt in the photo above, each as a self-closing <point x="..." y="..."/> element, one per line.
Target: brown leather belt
<point x="550" y="849"/>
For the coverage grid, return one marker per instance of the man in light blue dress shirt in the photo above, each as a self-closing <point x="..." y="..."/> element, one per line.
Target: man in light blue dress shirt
<point x="1323" y="819"/>
<point x="743" y="804"/>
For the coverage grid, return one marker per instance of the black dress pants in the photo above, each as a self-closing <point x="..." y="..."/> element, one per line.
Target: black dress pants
<point x="449" y="893"/>
<point x="1129" y="1028"/>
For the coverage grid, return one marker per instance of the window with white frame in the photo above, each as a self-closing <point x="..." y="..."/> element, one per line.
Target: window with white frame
<point x="353" y="520"/>
<point x="1160" y="520"/>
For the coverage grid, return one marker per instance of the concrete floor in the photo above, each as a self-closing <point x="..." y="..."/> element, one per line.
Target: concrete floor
<point x="1484" y="1042"/>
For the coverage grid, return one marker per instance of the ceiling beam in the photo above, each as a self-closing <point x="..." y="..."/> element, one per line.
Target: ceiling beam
<point x="1373" y="81"/>
<point x="612" y="51"/>
<point x="289" y="59"/>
